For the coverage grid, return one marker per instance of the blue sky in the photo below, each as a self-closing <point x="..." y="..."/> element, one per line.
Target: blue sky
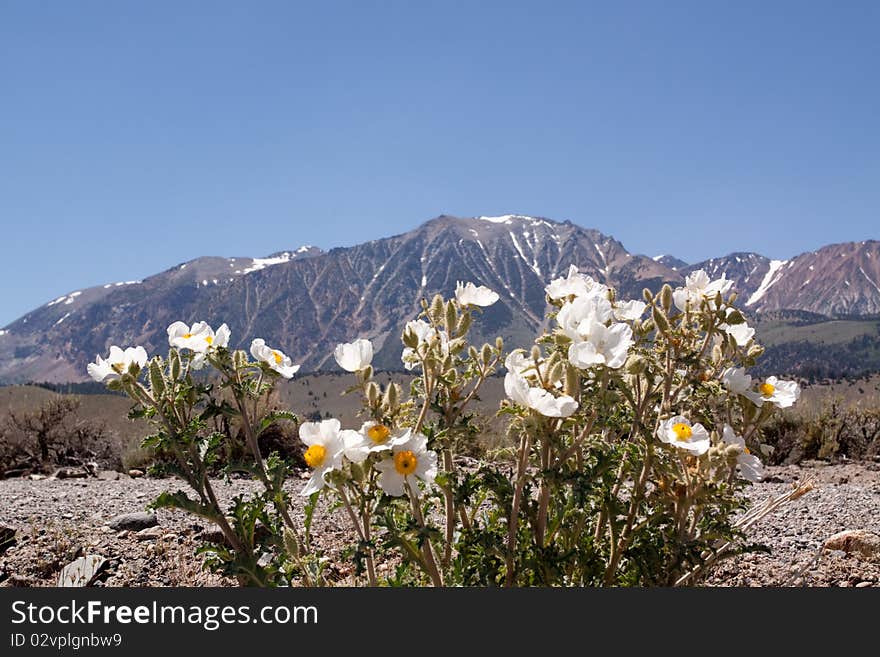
<point x="135" y="135"/>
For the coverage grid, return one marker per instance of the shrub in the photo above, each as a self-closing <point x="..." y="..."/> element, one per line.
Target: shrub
<point x="636" y="429"/>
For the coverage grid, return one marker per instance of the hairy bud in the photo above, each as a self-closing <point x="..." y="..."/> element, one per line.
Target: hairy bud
<point x="666" y="297"/>
<point x="409" y="338"/>
<point x="464" y="324"/>
<point x="373" y="393"/>
<point x="486" y="353"/>
<point x="174" y="362"/>
<point x="717" y="354"/>
<point x="555" y="372"/>
<point x="536" y="353"/>
<point x="451" y="318"/>
<point x="392" y="397"/>
<point x="649" y="298"/>
<point x="660" y="319"/>
<point x="756" y="351"/>
<point x="436" y="312"/>
<point x="572" y="384"/>
<point x="157" y="381"/>
<point x="635" y="364"/>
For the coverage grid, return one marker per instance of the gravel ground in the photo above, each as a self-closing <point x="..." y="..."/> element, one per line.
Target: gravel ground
<point x="60" y="519"/>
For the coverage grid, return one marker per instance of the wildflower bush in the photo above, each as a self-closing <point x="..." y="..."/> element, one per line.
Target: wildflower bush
<point x="633" y="427"/>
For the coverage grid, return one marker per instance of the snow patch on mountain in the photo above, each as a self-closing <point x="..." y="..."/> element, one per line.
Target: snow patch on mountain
<point x="769" y="279"/>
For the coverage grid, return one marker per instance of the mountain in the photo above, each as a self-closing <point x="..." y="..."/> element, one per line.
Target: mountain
<point x="305" y="301"/>
<point x="671" y="261"/>
<point x="839" y="280"/>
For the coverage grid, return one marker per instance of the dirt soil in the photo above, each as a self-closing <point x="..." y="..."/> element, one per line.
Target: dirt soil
<point x="58" y="520"/>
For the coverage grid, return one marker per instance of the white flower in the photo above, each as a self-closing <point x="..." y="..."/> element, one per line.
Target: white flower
<point x="197" y="337"/>
<point x="469" y="294"/>
<point x="372" y="438"/>
<point x="697" y="287"/>
<point x="425" y="334"/>
<point x="574" y="284"/>
<point x="324" y="453"/>
<point x="747" y="463"/>
<point x="519" y="390"/>
<point x="679" y="432"/>
<point x="736" y="380"/>
<point x="273" y="358"/>
<point x="781" y="393"/>
<point x="409" y="458"/>
<point x="354" y="356"/>
<point x="518" y="363"/>
<point x="118" y="363"/>
<point x="603" y="345"/>
<point x="576" y="317"/>
<point x="741" y="333"/>
<point x="628" y="311"/>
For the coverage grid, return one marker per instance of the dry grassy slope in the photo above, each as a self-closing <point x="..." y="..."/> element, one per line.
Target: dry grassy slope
<point x="111" y="410"/>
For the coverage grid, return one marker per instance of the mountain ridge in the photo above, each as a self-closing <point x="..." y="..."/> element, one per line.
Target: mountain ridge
<point x="306" y="300"/>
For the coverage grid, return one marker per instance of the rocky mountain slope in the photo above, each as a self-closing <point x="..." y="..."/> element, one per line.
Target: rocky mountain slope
<point x="305" y="301"/>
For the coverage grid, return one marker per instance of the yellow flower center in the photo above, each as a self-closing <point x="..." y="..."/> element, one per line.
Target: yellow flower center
<point x="315" y="455"/>
<point x="767" y="389"/>
<point x="746" y="450"/>
<point x="405" y="462"/>
<point x="118" y="367"/>
<point x="277" y="356"/>
<point x="682" y="432"/>
<point x="187" y="336"/>
<point x="378" y="433"/>
<point x="209" y="339"/>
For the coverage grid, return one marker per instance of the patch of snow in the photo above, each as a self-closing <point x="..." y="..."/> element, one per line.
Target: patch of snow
<point x="215" y="281"/>
<point x="811" y="267"/>
<point x="261" y="263"/>
<point x="868" y="278"/>
<point x="738" y="259"/>
<point x="62" y="319"/>
<point x="108" y="285"/>
<point x="204" y="281"/>
<point x="183" y="266"/>
<point x="847" y="283"/>
<point x="769" y="279"/>
<point x="2" y="332"/>
<point x="424" y="280"/>
<point x="522" y="255"/>
<point x="58" y="300"/>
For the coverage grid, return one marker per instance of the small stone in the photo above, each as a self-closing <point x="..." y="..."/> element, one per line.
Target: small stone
<point x="122" y="534"/>
<point x="70" y="473"/>
<point x="7" y="537"/>
<point x="36" y="477"/>
<point x="135" y="473"/>
<point x="149" y="534"/>
<point x="109" y="475"/>
<point x="856" y="541"/>
<point x="82" y="571"/>
<point x="133" y="521"/>
<point x="863" y="585"/>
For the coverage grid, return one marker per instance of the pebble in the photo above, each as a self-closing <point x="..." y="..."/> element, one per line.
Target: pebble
<point x="864" y="585"/>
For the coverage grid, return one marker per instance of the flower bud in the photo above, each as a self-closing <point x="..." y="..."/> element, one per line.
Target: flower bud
<point x="157" y="381"/>
<point x="732" y="298"/>
<point x="473" y="354"/>
<point x="555" y="372"/>
<point x="536" y="353"/>
<point x="174" y="360"/>
<point x="436" y="312"/>
<point x="367" y="373"/>
<point x="635" y="364"/>
<point x="572" y="383"/>
<point x="464" y="324"/>
<point x="717" y="354"/>
<point x="756" y="351"/>
<point x="392" y="397"/>
<point x="649" y="298"/>
<point x="735" y="317"/>
<point x="239" y="359"/>
<point x="451" y="318"/>
<point x="486" y="353"/>
<point x="499" y="344"/>
<point x="373" y="393"/>
<point x="409" y="338"/>
<point x="666" y="297"/>
<point x="660" y="319"/>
